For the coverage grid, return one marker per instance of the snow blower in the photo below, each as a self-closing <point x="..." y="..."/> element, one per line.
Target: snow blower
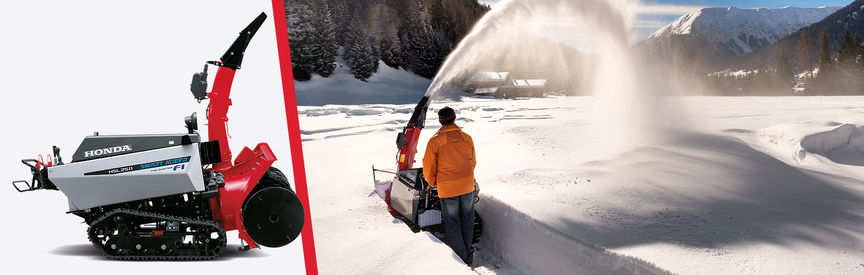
<point x="408" y="196"/>
<point x="173" y="196"/>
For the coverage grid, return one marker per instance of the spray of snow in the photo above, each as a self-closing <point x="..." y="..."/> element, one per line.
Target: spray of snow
<point x="601" y="22"/>
<point x="625" y="111"/>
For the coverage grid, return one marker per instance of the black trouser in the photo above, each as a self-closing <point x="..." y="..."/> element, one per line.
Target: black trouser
<point x="458" y="215"/>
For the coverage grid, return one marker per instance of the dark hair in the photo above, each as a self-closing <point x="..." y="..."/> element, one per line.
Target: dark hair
<point x="447" y="116"/>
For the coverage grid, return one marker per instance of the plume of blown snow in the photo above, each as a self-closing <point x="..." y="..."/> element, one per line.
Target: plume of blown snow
<point x="516" y="34"/>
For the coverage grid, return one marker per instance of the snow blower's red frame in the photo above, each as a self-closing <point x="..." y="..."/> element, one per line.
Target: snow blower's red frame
<point x="243" y="174"/>
<point x="240" y="176"/>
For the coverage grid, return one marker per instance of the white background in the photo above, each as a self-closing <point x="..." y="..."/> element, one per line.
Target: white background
<point x="70" y="68"/>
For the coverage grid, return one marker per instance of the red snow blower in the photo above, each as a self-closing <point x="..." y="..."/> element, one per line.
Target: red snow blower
<point x="173" y="196"/>
<point x="408" y="196"/>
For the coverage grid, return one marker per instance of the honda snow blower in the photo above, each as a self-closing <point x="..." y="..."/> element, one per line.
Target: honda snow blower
<point x="408" y="196"/>
<point x="173" y="196"/>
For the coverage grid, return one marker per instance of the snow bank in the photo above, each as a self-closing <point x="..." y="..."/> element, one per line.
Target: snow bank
<point x="525" y="244"/>
<point x="534" y="247"/>
<point x="838" y="142"/>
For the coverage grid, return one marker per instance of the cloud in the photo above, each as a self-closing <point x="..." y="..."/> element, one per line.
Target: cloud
<point x="661" y="9"/>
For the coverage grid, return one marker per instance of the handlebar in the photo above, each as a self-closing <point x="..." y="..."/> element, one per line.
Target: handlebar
<point x="40" y="178"/>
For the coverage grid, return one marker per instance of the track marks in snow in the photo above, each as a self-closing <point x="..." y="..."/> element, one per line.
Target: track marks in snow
<point x="522" y="117"/>
<point x="738" y="115"/>
<point x="349" y="116"/>
<point x="327" y="130"/>
<point x="349" y="134"/>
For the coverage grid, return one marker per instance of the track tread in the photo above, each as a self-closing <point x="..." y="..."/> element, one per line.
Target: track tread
<point x="98" y="245"/>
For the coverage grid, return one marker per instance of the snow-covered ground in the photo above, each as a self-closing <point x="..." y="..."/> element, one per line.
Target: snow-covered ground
<point x="388" y="85"/>
<point x="742" y="185"/>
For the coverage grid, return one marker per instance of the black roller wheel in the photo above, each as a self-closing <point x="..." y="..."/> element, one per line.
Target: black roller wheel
<point x="111" y="247"/>
<point x="273" y="216"/>
<point x="208" y="242"/>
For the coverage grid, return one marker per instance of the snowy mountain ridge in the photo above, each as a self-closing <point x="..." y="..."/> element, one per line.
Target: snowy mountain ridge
<point x="741" y="31"/>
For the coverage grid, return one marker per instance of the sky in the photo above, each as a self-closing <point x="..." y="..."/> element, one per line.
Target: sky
<point x="655" y="14"/>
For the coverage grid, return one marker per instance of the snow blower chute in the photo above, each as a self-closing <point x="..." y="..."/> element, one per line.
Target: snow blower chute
<point x="173" y="196"/>
<point x="408" y="196"/>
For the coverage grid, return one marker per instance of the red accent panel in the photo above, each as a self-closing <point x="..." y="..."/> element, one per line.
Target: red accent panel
<point x="217" y="114"/>
<point x="294" y="133"/>
<point x="405" y="159"/>
<point x="239" y="182"/>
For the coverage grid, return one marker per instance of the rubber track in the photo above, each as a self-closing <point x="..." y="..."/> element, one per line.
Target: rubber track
<point x="98" y="245"/>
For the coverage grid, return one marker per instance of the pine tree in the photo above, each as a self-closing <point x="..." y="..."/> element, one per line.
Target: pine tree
<point x="391" y="52"/>
<point x="341" y="20"/>
<point x="441" y="20"/>
<point x="300" y="32"/>
<point x="361" y="55"/>
<point x="860" y="47"/>
<point x="825" y="61"/>
<point x="434" y="52"/>
<point x="784" y="77"/>
<point x="848" y="54"/>
<point x="412" y="42"/>
<point x="822" y="83"/>
<point x="324" y="45"/>
<point x="417" y="35"/>
<point x="423" y="50"/>
<point x="849" y="78"/>
<point x="857" y="66"/>
<point x="803" y="48"/>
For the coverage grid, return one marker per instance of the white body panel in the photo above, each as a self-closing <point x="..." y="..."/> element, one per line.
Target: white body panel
<point x="129" y="177"/>
<point x="429" y="217"/>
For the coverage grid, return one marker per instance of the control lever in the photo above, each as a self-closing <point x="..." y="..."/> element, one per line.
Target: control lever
<point x="57" y="155"/>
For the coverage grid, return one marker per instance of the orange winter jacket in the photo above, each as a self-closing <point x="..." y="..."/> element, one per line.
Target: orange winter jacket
<point x="449" y="162"/>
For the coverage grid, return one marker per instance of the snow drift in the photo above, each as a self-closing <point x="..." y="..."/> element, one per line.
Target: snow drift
<point x="838" y="142"/>
<point x="537" y="248"/>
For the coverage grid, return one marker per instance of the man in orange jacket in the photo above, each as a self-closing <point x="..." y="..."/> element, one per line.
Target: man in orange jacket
<point x="449" y="165"/>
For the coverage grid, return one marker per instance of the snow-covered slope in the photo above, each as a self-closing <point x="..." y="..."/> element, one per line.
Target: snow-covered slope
<point x="850" y="17"/>
<point x="741" y="31"/>
<point x="388" y="85"/>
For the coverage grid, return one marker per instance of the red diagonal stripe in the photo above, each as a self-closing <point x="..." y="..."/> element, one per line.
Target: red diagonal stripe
<point x="294" y="133"/>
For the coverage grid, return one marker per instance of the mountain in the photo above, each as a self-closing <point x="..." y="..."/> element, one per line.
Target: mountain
<point x="714" y="35"/>
<point x="850" y="17"/>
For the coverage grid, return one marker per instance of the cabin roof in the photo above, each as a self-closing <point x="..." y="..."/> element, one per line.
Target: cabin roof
<point x="528" y="83"/>
<point x="489" y="76"/>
